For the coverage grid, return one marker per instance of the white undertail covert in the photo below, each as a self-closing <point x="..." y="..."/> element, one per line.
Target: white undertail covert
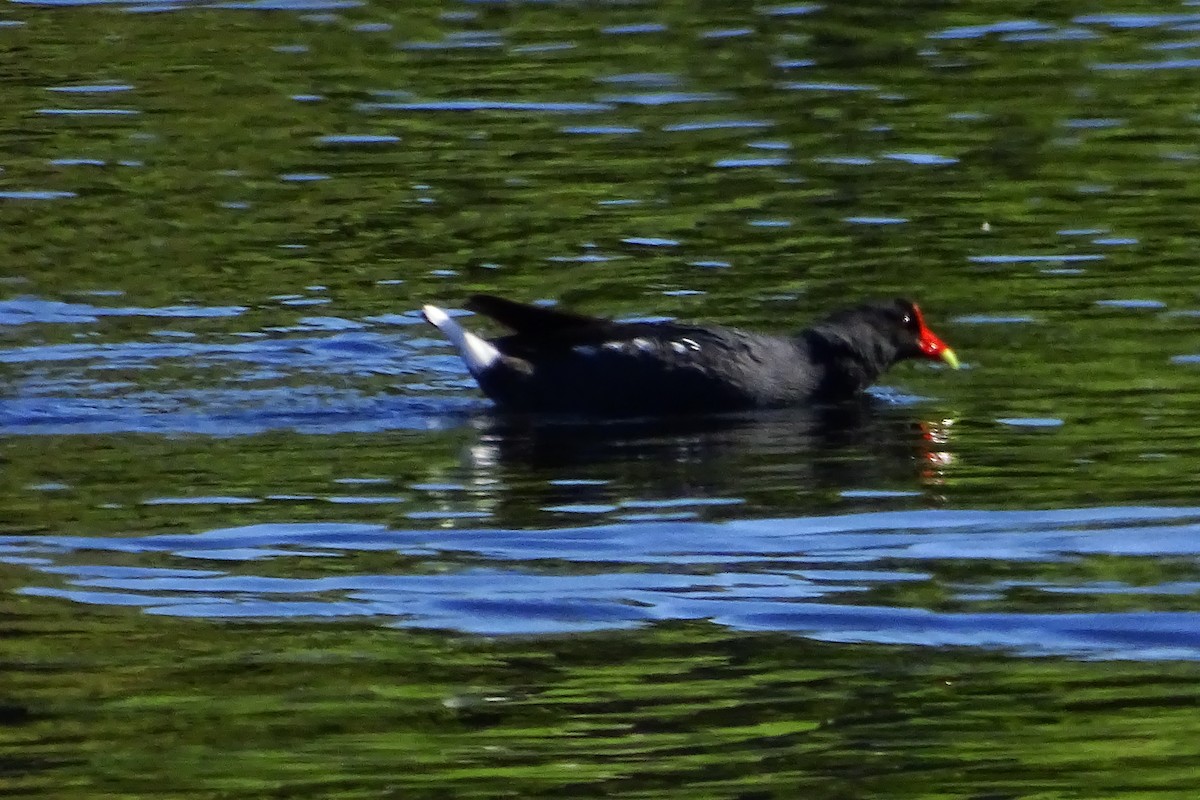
<point x="477" y="353"/>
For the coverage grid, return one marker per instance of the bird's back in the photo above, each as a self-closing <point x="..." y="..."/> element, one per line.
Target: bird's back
<point x="651" y="368"/>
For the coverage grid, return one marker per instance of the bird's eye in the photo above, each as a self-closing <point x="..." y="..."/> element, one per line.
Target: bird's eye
<point x="908" y="319"/>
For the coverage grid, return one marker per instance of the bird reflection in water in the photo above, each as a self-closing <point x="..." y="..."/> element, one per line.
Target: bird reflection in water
<point x="938" y="459"/>
<point x="773" y="461"/>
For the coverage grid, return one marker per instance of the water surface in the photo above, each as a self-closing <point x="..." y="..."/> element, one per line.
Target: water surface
<point x="262" y="536"/>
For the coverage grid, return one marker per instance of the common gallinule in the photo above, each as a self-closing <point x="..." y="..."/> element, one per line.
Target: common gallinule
<point x="558" y="361"/>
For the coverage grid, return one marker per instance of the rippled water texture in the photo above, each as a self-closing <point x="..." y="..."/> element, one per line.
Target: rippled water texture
<point x="824" y="577"/>
<point x="261" y="536"/>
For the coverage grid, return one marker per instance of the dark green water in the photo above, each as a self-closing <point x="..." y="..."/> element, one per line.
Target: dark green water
<point x="260" y="536"/>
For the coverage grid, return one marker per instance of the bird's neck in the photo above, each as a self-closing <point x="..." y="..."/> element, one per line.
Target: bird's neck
<point x="852" y="363"/>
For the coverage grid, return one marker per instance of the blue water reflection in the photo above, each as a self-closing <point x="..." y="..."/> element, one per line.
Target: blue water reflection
<point x="27" y="310"/>
<point x="815" y="576"/>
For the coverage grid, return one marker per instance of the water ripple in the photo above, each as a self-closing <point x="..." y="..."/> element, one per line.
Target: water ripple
<point x="978" y="31"/>
<point x="1058" y="35"/>
<point x="716" y="125"/>
<point x="648" y="79"/>
<point x="790" y="10"/>
<point x="827" y="86"/>
<point x="88" y="112"/>
<point x="920" y="158"/>
<point x="665" y="98"/>
<point x="1015" y="259"/>
<point x="91" y="88"/>
<point x="36" y="194"/>
<point x="800" y="575"/>
<point x="229" y="412"/>
<point x="357" y="138"/>
<point x="600" y="130"/>
<point x="751" y="161"/>
<point x="1132" y="20"/>
<point x="634" y="28"/>
<point x="29" y="310"/>
<point x="490" y="105"/>
<point x="1143" y="66"/>
<point x="875" y="220"/>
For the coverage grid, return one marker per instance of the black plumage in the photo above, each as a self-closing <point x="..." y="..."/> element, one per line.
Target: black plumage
<point x="558" y="361"/>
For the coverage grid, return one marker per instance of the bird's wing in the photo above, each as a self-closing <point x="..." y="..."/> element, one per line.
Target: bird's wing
<point x="536" y="322"/>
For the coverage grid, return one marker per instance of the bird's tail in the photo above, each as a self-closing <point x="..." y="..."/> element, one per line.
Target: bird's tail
<point x="478" y="354"/>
